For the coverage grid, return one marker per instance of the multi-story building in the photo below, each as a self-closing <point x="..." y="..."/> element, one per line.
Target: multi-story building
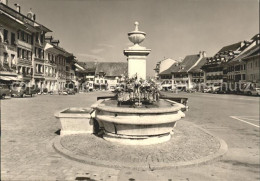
<point x="215" y="67"/>
<point x="187" y="73"/>
<point x="23" y="40"/>
<point x="109" y="74"/>
<point x="239" y="68"/>
<point x="252" y="60"/>
<point x="58" y="65"/>
<point x="86" y="75"/>
<point x="8" y="44"/>
<point x="162" y="67"/>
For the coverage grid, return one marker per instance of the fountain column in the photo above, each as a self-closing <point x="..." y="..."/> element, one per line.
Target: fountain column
<point x="136" y="54"/>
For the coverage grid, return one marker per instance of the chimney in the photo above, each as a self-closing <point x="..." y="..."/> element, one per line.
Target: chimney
<point x="55" y="42"/>
<point x="204" y="54"/>
<point x="31" y="15"/>
<point x="5" y="2"/>
<point x="18" y="7"/>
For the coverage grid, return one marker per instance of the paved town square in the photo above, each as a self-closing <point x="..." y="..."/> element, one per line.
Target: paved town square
<point x="129" y="90"/>
<point x="27" y="153"/>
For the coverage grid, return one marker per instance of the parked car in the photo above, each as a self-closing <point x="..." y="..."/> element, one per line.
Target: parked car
<point x="4" y="91"/>
<point x="206" y="89"/>
<point x="21" y="90"/>
<point x="253" y="91"/>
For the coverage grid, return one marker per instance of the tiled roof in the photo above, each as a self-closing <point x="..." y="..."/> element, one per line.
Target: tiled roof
<point x="112" y="68"/>
<point x="187" y="63"/>
<point x="197" y="68"/>
<point x="109" y="68"/>
<point x="232" y="47"/>
<point x="169" y="70"/>
<point x="252" y="52"/>
<point x="88" y="66"/>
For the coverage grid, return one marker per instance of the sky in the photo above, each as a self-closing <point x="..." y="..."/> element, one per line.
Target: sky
<point x="96" y="30"/>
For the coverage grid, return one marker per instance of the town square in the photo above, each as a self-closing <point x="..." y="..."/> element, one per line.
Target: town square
<point x="114" y="91"/>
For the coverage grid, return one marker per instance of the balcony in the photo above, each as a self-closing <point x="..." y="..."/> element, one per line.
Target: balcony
<point x="41" y="60"/>
<point x="39" y="74"/>
<point x="6" y="45"/>
<point x="24" y="44"/>
<point x="24" y="61"/>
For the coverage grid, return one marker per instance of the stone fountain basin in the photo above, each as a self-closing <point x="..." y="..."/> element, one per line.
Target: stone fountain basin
<point x="149" y="124"/>
<point x="75" y="120"/>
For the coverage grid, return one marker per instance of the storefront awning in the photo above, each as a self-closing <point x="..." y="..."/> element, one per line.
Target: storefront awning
<point x="8" y="78"/>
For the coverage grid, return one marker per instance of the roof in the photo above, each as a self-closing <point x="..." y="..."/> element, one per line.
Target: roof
<point x="108" y="68"/>
<point x="23" y="18"/>
<point x="188" y="62"/>
<point x="88" y="66"/>
<point x="112" y="68"/>
<point x="185" y="65"/>
<point x="231" y="47"/>
<point x="197" y="68"/>
<point x="252" y="52"/>
<point x="169" y="70"/>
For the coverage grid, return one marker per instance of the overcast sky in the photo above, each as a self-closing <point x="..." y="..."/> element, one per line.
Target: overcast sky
<point x="97" y="29"/>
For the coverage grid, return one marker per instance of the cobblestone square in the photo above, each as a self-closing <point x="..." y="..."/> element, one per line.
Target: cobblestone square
<point x="28" y="127"/>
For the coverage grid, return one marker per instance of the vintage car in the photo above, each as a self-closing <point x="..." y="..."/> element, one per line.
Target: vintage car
<point x="20" y="89"/>
<point x="4" y="91"/>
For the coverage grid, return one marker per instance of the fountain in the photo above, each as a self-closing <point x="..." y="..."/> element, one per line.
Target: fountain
<point x="136" y="115"/>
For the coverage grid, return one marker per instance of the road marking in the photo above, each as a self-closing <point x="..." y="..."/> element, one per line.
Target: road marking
<point x="250" y="119"/>
<point x="244" y="121"/>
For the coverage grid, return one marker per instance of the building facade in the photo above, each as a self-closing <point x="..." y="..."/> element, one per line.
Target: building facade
<point x="28" y="55"/>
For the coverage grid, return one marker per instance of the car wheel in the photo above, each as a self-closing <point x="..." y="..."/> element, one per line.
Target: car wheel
<point x="31" y="95"/>
<point x="249" y="93"/>
<point x="3" y="96"/>
<point x="23" y="95"/>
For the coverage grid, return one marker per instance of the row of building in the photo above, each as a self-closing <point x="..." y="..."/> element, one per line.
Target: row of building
<point x="28" y="55"/>
<point x="100" y="75"/>
<point x="234" y="64"/>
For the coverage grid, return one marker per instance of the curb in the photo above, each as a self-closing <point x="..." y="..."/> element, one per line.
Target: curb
<point x="56" y="144"/>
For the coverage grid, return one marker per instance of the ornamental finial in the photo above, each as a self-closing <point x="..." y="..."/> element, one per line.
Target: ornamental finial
<point x="136" y="26"/>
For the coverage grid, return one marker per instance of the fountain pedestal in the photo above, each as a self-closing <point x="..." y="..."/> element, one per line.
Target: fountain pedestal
<point x="136" y="54"/>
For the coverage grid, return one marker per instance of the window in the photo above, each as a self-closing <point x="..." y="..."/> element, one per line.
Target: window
<point x="32" y="39"/>
<point x="23" y="53"/>
<point x="18" y="34"/>
<point x="42" y="37"/>
<point x="29" y="39"/>
<point x="5" y="35"/>
<point x="26" y="37"/>
<point x="12" y="59"/>
<point x="37" y="37"/>
<point x="19" y="52"/>
<point x="39" y="53"/>
<point x="12" y="39"/>
<point x="5" y="58"/>
<point x="97" y="81"/>
<point x="22" y="35"/>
